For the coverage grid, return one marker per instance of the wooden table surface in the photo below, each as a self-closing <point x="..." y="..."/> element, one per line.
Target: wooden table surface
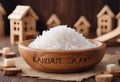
<point x="4" y="42"/>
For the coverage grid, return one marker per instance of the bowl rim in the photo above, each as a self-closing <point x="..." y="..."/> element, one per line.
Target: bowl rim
<point x="22" y="44"/>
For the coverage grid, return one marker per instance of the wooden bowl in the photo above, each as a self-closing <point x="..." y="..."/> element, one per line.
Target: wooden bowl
<point x="62" y="61"/>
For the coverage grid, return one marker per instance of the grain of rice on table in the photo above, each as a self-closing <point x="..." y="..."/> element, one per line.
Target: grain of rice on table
<point x="61" y="37"/>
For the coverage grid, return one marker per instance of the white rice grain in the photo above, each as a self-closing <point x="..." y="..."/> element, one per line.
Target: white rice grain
<point x="61" y="38"/>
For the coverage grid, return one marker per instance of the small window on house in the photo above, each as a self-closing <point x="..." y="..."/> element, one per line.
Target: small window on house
<point x="105" y="20"/>
<point x="25" y="29"/>
<point x="105" y="12"/>
<point x="81" y="30"/>
<point x="14" y="28"/>
<point x="16" y="37"/>
<point x="105" y="27"/>
<point x="14" y="22"/>
<point x="101" y="26"/>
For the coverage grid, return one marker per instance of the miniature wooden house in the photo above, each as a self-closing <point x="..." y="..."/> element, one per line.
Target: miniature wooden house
<point x="105" y="21"/>
<point x="53" y="21"/>
<point x="22" y="24"/>
<point x="2" y="28"/>
<point x="82" y="26"/>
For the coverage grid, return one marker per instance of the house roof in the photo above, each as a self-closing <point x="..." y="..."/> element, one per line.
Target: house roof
<point x="107" y="10"/>
<point x="20" y="11"/>
<point x="118" y="15"/>
<point x="82" y="19"/>
<point x="2" y="10"/>
<point x="54" y="18"/>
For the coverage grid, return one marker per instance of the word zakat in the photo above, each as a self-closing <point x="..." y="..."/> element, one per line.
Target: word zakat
<point x="47" y="60"/>
<point x="44" y="60"/>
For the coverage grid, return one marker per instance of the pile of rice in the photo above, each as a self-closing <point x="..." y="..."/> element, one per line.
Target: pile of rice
<point x="61" y="38"/>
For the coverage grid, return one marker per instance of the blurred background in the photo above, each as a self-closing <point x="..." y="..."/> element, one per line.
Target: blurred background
<point x="68" y="11"/>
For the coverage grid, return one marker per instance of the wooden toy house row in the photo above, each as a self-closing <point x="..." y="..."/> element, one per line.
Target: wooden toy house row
<point x="82" y="25"/>
<point x="105" y="22"/>
<point x="23" y="23"/>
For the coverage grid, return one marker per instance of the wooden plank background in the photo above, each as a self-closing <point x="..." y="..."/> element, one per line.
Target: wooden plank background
<point x="68" y="11"/>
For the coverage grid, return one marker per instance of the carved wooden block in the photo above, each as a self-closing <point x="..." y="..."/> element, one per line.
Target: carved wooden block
<point x="105" y="21"/>
<point x="103" y="77"/>
<point x="111" y="67"/>
<point x="5" y="50"/>
<point x="12" y="71"/>
<point x="22" y="24"/>
<point x="82" y="26"/>
<point x="7" y="53"/>
<point x="53" y="21"/>
<point x="9" y="62"/>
